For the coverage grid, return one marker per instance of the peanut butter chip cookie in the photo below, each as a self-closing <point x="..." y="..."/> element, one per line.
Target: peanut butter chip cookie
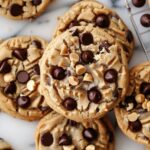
<point x="84" y="73"/>
<point x="96" y="14"/>
<point x="20" y="75"/>
<point x="22" y="9"/>
<point x="57" y="132"/>
<point x="133" y="114"/>
<point x="4" y="145"/>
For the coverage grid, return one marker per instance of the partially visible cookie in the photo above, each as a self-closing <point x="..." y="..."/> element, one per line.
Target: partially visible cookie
<point x="133" y="114"/>
<point x="84" y="73"/>
<point x="19" y="77"/>
<point x="96" y="14"/>
<point x="22" y="9"/>
<point x="57" y="132"/>
<point x="4" y="145"/>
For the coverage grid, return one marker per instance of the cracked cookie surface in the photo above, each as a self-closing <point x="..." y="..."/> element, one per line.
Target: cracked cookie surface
<point x="83" y="73"/>
<point x="133" y="114"/>
<point x="20" y="75"/>
<point x="22" y="9"/>
<point x="96" y="14"/>
<point x="57" y="132"/>
<point x="4" y="145"/>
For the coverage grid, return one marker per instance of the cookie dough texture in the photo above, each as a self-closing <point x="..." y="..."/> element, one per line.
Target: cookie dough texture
<point x="133" y="114"/>
<point x="57" y="132"/>
<point x="4" y="145"/>
<point x="83" y="73"/>
<point x="19" y="77"/>
<point x="96" y="14"/>
<point x="22" y="9"/>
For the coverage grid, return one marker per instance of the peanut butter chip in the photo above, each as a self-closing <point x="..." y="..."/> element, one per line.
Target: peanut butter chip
<point x="71" y="147"/>
<point x="74" y="57"/>
<point x="73" y="80"/>
<point x="9" y="77"/>
<point x="90" y="147"/>
<point x="139" y="98"/>
<point x="88" y="77"/>
<point x="31" y="85"/>
<point x="80" y="69"/>
<point x="133" y="117"/>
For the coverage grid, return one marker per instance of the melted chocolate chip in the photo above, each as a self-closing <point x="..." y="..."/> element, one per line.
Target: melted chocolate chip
<point x="69" y="103"/>
<point x="37" y="44"/>
<point x="58" y="73"/>
<point x="145" y="88"/>
<point x="138" y="3"/>
<point x="90" y="134"/>
<point x="105" y="45"/>
<point x="145" y="20"/>
<point x="87" y="57"/>
<point x="129" y="36"/>
<point x="47" y="139"/>
<point x="5" y="67"/>
<point x="36" y="69"/>
<point x="86" y="38"/>
<point x="102" y="21"/>
<point x="135" y="126"/>
<point x="16" y="10"/>
<point x="20" y="54"/>
<point x="23" y="101"/>
<point x="111" y="75"/>
<point x="65" y="140"/>
<point x="10" y="88"/>
<point x="94" y="95"/>
<point x="23" y="77"/>
<point x="36" y="2"/>
<point x="72" y="123"/>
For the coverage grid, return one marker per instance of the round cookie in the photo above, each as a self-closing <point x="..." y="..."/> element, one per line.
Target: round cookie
<point x="20" y="75"/>
<point x="133" y="113"/>
<point x="22" y="9"/>
<point x="83" y="73"/>
<point x="96" y="14"/>
<point x="57" y="132"/>
<point x="4" y="145"/>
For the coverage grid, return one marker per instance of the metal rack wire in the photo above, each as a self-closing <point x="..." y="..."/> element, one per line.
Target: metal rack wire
<point x="139" y="34"/>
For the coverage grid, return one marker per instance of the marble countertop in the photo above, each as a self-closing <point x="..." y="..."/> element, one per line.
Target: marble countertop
<point x="20" y="134"/>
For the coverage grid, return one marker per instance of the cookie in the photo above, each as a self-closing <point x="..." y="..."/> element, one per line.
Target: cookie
<point x="4" y="145"/>
<point x="96" y="14"/>
<point x="133" y="113"/>
<point x="20" y="75"/>
<point x="22" y="9"/>
<point x="57" y="132"/>
<point x="83" y="73"/>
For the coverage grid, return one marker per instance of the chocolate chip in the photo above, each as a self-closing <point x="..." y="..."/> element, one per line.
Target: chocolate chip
<point x="36" y="2"/>
<point x="70" y="104"/>
<point x="111" y="75"/>
<point x="72" y="123"/>
<point x="129" y="36"/>
<point x="90" y="134"/>
<point x="44" y="108"/>
<point x="5" y="67"/>
<point x="58" y="73"/>
<point x="47" y="139"/>
<point x="138" y="3"/>
<point x="102" y="21"/>
<point x="87" y="57"/>
<point x="94" y="95"/>
<point x="145" y="20"/>
<point x="16" y="10"/>
<point x="73" y="23"/>
<point x="65" y="140"/>
<point x="10" y="88"/>
<point x="86" y="38"/>
<point x="36" y="69"/>
<point x="111" y="136"/>
<point x="37" y="44"/>
<point x="135" y="126"/>
<point x="105" y="45"/>
<point x="23" y="77"/>
<point x="145" y="88"/>
<point x="20" y="54"/>
<point x="23" y="101"/>
<point x="75" y="33"/>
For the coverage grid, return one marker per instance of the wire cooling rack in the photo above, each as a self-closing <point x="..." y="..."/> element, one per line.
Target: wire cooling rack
<point x="143" y="33"/>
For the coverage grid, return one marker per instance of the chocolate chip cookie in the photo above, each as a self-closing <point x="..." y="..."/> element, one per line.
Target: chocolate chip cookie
<point x="4" y="145"/>
<point x="96" y="14"/>
<point x="20" y="75"/>
<point x="84" y="73"/>
<point x="22" y="9"/>
<point x="57" y="132"/>
<point x="133" y="114"/>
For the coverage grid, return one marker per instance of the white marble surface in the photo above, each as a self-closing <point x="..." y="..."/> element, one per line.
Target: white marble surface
<point x="21" y="133"/>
